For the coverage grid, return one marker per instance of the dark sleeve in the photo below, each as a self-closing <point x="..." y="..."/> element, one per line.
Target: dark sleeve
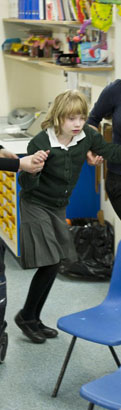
<point x="28" y="181"/>
<point x="9" y="164"/>
<point x="108" y="150"/>
<point x="105" y="104"/>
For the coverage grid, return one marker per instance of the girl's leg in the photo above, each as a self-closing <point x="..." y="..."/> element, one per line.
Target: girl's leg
<point x="44" y="296"/>
<point x="27" y="318"/>
<point x="47" y="331"/>
<point x="37" y="294"/>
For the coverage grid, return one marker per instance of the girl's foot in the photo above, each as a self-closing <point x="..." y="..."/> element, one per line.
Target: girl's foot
<point x="48" y="332"/>
<point x="30" y="328"/>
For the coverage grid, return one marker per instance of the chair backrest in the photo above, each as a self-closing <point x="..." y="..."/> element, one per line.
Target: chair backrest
<point x="114" y="291"/>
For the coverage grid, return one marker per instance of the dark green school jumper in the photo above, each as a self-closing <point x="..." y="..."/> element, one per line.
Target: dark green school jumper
<point x="45" y="238"/>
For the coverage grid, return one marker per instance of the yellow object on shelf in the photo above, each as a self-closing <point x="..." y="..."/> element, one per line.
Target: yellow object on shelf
<point x="10" y="183"/>
<point x="1" y="188"/>
<point x="8" y="209"/>
<point x="10" y="195"/>
<point x="1" y="212"/>
<point x="9" y="173"/>
<point x="101" y="15"/>
<point x="1" y="200"/>
<point x="8" y="217"/>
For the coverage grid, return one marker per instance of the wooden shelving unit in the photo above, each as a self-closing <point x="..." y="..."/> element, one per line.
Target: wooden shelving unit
<point x="43" y="22"/>
<point x="47" y="63"/>
<point x="54" y="26"/>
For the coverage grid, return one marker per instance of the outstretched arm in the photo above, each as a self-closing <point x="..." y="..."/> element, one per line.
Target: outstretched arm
<point x="34" y="163"/>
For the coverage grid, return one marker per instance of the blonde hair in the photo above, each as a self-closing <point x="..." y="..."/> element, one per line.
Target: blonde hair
<point x="70" y="102"/>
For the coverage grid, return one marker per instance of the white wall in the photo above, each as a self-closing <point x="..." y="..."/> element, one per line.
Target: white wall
<point x="3" y="83"/>
<point x="30" y="86"/>
<point x="23" y="84"/>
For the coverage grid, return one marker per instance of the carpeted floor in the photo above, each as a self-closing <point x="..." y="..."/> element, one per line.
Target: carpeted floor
<point x="30" y="371"/>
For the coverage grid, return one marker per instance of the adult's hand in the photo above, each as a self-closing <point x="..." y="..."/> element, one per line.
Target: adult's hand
<point x="4" y="153"/>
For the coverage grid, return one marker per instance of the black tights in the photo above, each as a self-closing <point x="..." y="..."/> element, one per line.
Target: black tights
<point x="38" y="291"/>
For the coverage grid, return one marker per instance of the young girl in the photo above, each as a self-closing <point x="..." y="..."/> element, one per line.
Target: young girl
<point x="45" y="238"/>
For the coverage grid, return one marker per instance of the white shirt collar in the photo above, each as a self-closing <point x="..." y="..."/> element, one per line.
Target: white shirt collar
<point x="55" y="143"/>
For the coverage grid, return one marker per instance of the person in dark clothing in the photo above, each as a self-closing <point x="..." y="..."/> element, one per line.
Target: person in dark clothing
<point x="109" y="104"/>
<point x="10" y="162"/>
<point x="44" y="235"/>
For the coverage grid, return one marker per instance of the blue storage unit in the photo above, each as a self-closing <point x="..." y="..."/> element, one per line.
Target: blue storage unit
<point x="84" y="201"/>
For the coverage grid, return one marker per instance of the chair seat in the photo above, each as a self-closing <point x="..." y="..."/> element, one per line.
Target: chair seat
<point x="100" y="324"/>
<point x="105" y="392"/>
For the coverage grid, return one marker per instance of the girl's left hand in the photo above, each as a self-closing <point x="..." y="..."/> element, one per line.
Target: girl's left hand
<point x="93" y="159"/>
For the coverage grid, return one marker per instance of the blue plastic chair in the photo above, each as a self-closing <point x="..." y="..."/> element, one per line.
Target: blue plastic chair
<point x="100" y="324"/>
<point x="104" y="392"/>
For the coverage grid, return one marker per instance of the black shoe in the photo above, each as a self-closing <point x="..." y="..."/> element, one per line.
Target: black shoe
<point x="48" y="332"/>
<point x="3" y="342"/>
<point x="30" y="329"/>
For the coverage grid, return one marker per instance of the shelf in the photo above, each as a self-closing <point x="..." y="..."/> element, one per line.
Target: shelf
<point x="41" y="22"/>
<point x="46" y="63"/>
<point x="44" y="24"/>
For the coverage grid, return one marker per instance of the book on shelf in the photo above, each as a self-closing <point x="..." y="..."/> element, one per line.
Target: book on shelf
<point x="42" y="11"/>
<point x="35" y="10"/>
<point x="55" y="10"/>
<point x="28" y="9"/>
<point x="13" y="8"/>
<point x="60" y="10"/>
<point x="21" y="9"/>
<point x="51" y="8"/>
<point x="66" y="10"/>
<point x="63" y="11"/>
<point x="73" y="9"/>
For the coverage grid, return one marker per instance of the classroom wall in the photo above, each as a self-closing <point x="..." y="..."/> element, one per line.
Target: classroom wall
<point x="3" y="83"/>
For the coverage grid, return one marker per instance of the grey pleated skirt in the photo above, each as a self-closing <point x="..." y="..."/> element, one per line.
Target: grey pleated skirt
<point x="45" y="238"/>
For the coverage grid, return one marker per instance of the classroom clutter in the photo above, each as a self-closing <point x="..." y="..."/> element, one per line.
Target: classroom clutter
<point x="63" y="10"/>
<point x="94" y="241"/>
<point x="87" y="44"/>
<point x="88" y="47"/>
<point x="35" y="46"/>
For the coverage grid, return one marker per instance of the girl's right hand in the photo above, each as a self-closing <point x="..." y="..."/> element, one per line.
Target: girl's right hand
<point x="34" y="163"/>
<point x="40" y="157"/>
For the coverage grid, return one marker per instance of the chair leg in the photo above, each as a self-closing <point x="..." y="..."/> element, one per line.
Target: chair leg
<point x="68" y="354"/>
<point x="115" y="356"/>
<point x="91" y="406"/>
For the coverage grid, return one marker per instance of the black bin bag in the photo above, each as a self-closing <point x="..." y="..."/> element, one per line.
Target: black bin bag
<point x="95" y="249"/>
